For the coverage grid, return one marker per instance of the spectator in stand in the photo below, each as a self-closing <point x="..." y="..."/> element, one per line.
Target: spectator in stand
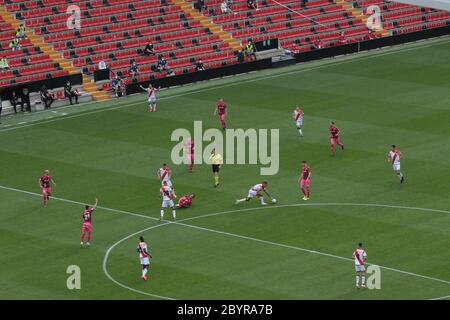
<point x="200" y="5"/>
<point x="162" y="64"/>
<point x="225" y="8"/>
<point x="241" y="56"/>
<point x="134" y="70"/>
<point x="199" y="66"/>
<point x="342" y="38"/>
<point x="102" y="65"/>
<point x="46" y="97"/>
<point x="25" y="98"/>
<point x="250" y="50"/>
<point x="14" y="44"/>
<point x="14" y="101"/>
<point x="251" y="4"/>
<point x="70" y="93"/>
<point x="4" y="64"/>
<point x="317" y="44"/>
<point x="118" y="86"/>
<point x="149" y="49"/>
<point x="20" y="34"/>
<point x="170" y="73"/>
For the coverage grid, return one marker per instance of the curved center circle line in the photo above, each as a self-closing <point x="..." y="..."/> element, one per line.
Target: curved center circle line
<point x="180" y="222"/>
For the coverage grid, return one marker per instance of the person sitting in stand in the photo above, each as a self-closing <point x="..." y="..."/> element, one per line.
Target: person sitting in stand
<point x="225" y="8"/>
<point x="162" y="64"/>
<point x="199" y="66"/>
<point x="342" y="38"/>
<point x="149" y="49"/>
<point x="118" y="86"/>
<point x="47" y="97"/>
<point x="170" y="73"/>
<point x="20" y="34"/>
<point x="251" y="4"/>
<point x="102" y="65"/>
<point x="200" y="5"/>
<point x="14" y="101"/>
<point x="4" y="64"/>
<point x="250" y="51"/>
<point x="134" y="70"/>
<point x="14" y="44"/>
<point x="317" y="44"/>
<point x="70" y="93"/>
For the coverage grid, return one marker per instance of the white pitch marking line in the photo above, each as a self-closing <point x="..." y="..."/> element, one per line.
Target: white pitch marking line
<point x="238" y="82"/>
<point x="255" y="239"/>
<point x="441" y="298"/>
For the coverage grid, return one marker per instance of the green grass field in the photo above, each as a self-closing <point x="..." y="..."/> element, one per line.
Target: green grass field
<point x="292" y="250"/>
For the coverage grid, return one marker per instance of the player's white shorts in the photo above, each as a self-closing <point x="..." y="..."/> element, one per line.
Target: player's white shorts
<point x="145" y="261"/>
<point x="396" y="166"/>
<point x="167" y="203"/>
<point x="359" y="268"/>
<point x="299" y="122"/>
<point x="251" y="194"/>
<point x="152" y="100"/>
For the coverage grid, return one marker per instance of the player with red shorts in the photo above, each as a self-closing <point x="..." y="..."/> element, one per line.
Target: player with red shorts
<point x="334" y="137"/>
<point x="221" y="109"/>
<point x="45" y="182"/>
<point x="87" y="223"/>
<point x="185" y="201"/>
<point x="305" y="180"/>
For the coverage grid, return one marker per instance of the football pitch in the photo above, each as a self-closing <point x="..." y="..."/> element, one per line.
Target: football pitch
<point x="294" y="249"/>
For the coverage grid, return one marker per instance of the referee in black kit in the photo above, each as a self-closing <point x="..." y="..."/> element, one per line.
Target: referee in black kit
<point x="217" y="161"/>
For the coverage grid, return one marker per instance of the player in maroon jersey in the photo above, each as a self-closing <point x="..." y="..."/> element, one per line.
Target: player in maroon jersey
<point x="305" y="180"/>
<point x="334" y="137"/>
<point x="221" y="109"/>
<point x="45" y="182"/>
<point x="185" y="201"/>
<point x="87" y="223"/>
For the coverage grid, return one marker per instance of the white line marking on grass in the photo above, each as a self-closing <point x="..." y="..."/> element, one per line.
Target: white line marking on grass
<point x="180" y="222"/>
<point x="348" y="59"/>
<point x="105" y="263"/>
<point x="441" y="298"/>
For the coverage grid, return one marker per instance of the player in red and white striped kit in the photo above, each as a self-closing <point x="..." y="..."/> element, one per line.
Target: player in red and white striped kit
<point x="167" y="195"/>
<point x="360" y="256"/>
<point x="298" y="118"/>
<point x="45" y="182"/>
<point x="185" y="201"/>
<point x="151" y="91"/>
<point x="144" y="257"/>
<point x="164" y="174"/>
<point x="394" y="157"/>
<point x="256" y="191"/>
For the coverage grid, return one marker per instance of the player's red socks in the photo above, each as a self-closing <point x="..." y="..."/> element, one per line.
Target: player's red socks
<point x="224" y="125"/>
<point x="89" y="237"/>
<point x="332" y="149"/>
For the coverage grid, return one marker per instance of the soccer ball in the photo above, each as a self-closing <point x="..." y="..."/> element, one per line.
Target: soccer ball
<point x="274" y="200"/>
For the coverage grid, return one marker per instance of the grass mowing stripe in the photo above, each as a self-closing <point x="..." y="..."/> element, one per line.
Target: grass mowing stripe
<point x="279" y="73"/>
<point x="246" y="237"/>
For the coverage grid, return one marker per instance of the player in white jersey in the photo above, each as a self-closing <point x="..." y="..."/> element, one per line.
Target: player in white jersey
<point x="144" y="257"/>
<point x="394" y="157"/>
<point x="167" y="195"/>
<point x="151" y="91"/>
<point x="360" y="256"/>
<point x="164" y="174"/>
<point x="256" y="191"/>
<point x="298" y="118"/>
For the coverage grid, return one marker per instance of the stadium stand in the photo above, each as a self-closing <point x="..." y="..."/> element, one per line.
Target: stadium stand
<point x="116" y="32"/>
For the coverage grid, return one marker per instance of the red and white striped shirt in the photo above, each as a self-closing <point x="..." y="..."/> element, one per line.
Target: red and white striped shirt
<point x="359" y="255"/>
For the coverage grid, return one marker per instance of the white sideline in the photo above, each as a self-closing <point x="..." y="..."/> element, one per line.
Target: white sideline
<point x="367" y="55"/>
<point x="180" y="222"/>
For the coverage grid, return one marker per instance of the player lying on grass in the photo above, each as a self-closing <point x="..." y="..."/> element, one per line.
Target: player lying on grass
<point x="144" y="257"/>
<point x="185" y="201"/>
<point x="87" y="223"/>
<point x="256" y="191"/>
<point x="44" y="182"/>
